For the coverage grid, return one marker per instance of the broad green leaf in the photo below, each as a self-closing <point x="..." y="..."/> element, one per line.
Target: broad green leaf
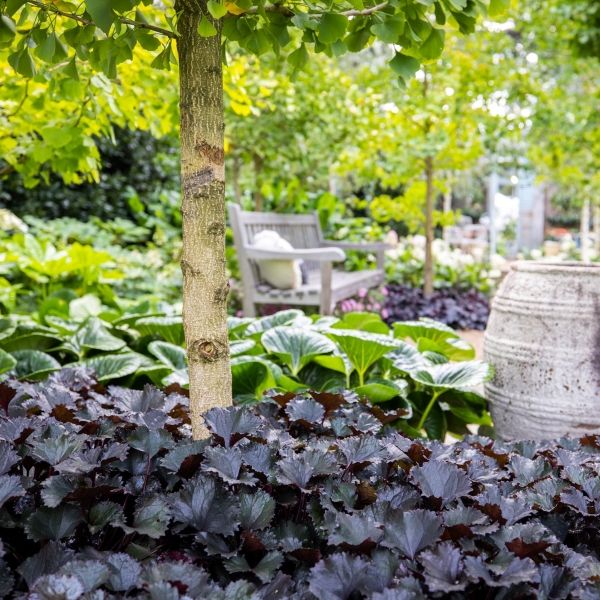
<point x="434" y="44"/>
<point x="34" y="364"/>
<point x="12" y="6"/>
<point x="169" y="354"/>
<point x="22" y="63"/>
<point x="93" y="335"/>
<point x="206" y="28"/>
<point x="298" y="58"/>
<point x="404" y="66"/>
<point x="425" y="328"/>
<point x="435" y="424"/>
<point x="362" y="348"/>
<point x="336" y="362"/>
<point x="454" y="375"/>
<point x="7" y="327"/>
<point x="7" y="30"/>
<point x="283" y="317"/>
<point x="238" y="347"/>
<point x="169" y="329"/>
<point x="332" y="27"/>
<point x="407" y="358"/>
<point x="84" y="307"/>
<point x="7" y="362"/>
<point x="317" y="378"/>
<point x="252" y="376"/>
<point x="113" y="366"/>
<point x="382" y="390"/>
<point x="363" y="321"/>
<point x="498" y="7"/>
<point x="236" y="326"/>
<point x="296" y="346"/>
<point x="452" y="348"/>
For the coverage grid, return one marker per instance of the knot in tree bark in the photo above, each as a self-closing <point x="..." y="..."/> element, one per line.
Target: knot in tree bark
<point x="207" y="351"/>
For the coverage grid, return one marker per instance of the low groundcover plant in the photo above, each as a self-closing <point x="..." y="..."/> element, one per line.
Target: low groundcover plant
<point x="103" y="494"/>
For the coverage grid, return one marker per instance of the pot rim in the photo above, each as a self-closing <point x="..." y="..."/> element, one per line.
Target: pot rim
<point x="571" y="267"/>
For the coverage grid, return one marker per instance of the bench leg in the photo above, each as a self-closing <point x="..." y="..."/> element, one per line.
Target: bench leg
<point x="326" y="306"/>
<point x="248" y="307"/>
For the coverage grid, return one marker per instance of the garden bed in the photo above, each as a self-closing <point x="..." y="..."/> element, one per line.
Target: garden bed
<point x="103" y="494"/>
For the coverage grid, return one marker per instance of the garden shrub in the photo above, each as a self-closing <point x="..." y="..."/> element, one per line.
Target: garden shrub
<point x="103" y="494"/>
<point x="134" y="164"/>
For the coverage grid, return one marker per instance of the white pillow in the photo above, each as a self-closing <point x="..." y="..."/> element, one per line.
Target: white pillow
<point x="281" y="274"/>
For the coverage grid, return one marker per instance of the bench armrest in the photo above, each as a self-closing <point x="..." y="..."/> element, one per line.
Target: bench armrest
<point x="315" y="254"/>
<point x="365" y="246"/>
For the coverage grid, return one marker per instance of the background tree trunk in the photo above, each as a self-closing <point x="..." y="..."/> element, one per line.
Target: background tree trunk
<point x="235" y="175"/>
<point x="429" y="193"/>
<point x="584" y="231"/>
<point x="258" y="197"/>
<point x="205" y="284"/>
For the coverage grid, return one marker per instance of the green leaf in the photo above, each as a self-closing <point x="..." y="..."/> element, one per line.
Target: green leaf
<point x="113" y="366"/>
<point x="163" y="59"/>
<point x="435" y="424"/>
<point x="22" y="63"/>
<point x="407" y="358"/>
<point x="434" y="44"/>
<point x="169" y="354"/>
<point x="93" y="335"/>
<point x="206" y="28"/>
<point x="332" y="27"/>
<point x="7" y="362"/>
<point x="389" y="30"/>
<point x="317" y="378"/>
<point x="356" y="40"/>
<point x="363" y="321"/>
<point x="101" y="12"/>
<point x="362" y="348"/>
<point x="498" y="7"/>
<point x="336" y="362"/>
<point x="53" y="523"/>
<point x="404" y="66"/>
<point x="7" y="30"/>
<point x="454" y="375"/>
<point x="34" y="364"/>
<point x="238" y="347"/>
<point x="252" y="376"/>
<point x="283" y="317"/>
<point x="296" y="346"/>
<point x="12" y="6"/>
<point x="146" y="40"/>
<point x="298" y="58"/>
<point x="425" y="328"/>
<point x="382" y="390"/>
<point x="452" y="348"/>
<point x="169" y="329"/>
<point x="7" y="327"/>
<point x="84" y="307"/>
<point x="216" y="9"/>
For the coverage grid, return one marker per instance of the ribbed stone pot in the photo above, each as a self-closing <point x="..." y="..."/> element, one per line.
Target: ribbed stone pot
<point x="543" y="338"/>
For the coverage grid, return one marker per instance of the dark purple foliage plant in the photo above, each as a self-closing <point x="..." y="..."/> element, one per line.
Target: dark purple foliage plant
<point x="103" y="494"/>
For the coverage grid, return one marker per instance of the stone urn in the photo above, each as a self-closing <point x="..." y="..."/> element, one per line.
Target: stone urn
<point x="543" y="339"/>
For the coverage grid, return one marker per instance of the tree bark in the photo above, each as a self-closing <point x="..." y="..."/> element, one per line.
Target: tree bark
<point x="205" y="283"/>
<point x="429" y="193"/>
<point x="258" y="197"/>
<point x="584" y="231"/>
<point x="235" y="176"/>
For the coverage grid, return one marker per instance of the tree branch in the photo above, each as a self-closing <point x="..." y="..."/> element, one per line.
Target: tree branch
<point x="284" y="10"/>
<point x="365" y="11"/>
<point x="84" y="21"/>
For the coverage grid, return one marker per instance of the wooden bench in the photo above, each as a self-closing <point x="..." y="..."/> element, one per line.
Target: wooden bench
<point x="325" y="286"/>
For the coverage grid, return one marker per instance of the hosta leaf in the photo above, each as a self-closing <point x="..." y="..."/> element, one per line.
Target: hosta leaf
<point x="335" y="362"/>
<point x="7" y="327"/>
<point x="168" y="354"/>
<point x="407" y="358"/>
<point x="363" y="321"/>
<point x="425" y="328"/>
<point x="454" y="375"/>
<point x="296" y="346"/>
<point x="283" y="317"/>
<point x="252" y="376"/>
<point x="7" y="362"/>
<point x="238" y="347"/>
<point x="452" y="348"/>
<point x="382" y="390"/>
<point x="94" y="335"/>
<point x="34" y="364"/>
<point x="53" y="523"/>
<point x="169" y="329"/>
<point x="113" y="366"/>
<point x="362" y="348"/>
<point x="412" y="531"/>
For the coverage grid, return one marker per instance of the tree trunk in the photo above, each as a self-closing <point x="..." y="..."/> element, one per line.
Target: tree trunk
<point x="447" y="209"/>
<point x="597" y="230"/>
<point x="235" y="175"/>
<point x="584" y="231"/>
<point x="428" y="267"/>
<point x="205" y="284"/>
<point x="258" y="197"/>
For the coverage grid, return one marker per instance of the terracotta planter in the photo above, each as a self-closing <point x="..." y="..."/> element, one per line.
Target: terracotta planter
<point x="543" y="338"/>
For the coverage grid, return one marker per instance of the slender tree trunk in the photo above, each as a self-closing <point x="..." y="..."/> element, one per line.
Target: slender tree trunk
<point x="597" y="229"/>
<point x="429" y="193"/>
<point x="447" y="209"/>
<point x="205" y="284"/>
<point x="584" y="232"/>
<point x="235" y="175"/>
<point x="258" y="197"/>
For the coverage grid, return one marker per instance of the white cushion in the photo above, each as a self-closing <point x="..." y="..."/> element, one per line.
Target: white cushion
<point x="281" y="274"/>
